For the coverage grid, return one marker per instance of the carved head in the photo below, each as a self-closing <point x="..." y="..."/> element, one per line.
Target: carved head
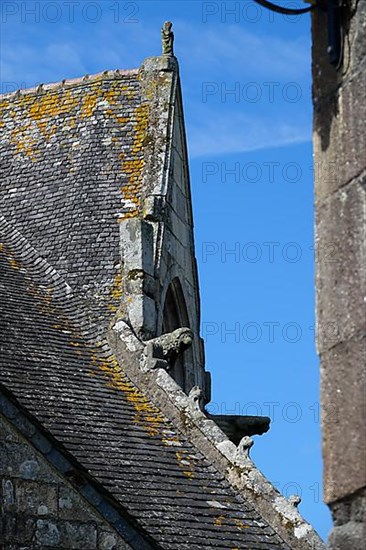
<point x="185" y="338"/>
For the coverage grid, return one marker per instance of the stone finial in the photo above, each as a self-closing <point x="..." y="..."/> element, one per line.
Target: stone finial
<point x="294" y="500"/>
<point x="167" y="38"/>
<point x="243" y="449"/>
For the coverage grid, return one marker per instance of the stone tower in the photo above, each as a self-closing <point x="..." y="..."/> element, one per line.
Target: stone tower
<point x="340" y="177"/>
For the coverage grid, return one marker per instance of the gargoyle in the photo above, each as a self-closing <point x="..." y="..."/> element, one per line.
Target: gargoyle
<point x="172" y="344"/>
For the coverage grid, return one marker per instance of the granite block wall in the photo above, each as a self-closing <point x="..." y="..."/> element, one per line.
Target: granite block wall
<point x="40" y="509"/>
<point x="340" y="180"/>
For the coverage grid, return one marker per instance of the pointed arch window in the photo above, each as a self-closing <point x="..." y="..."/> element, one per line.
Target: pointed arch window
<point x="175" y="315"/>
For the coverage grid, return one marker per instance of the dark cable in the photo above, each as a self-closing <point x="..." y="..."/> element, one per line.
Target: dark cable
<point x="280" y="9"/>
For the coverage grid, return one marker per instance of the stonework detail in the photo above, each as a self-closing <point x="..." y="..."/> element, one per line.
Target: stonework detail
<point x="186" y="412"/>
<point x="340" y="180"/>
<point x="173" y="343"/>
<point x="96" y="179"/>
<point x="39" y="508"/>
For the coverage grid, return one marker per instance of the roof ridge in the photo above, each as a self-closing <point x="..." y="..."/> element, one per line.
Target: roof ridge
<point x="113" y="74"/>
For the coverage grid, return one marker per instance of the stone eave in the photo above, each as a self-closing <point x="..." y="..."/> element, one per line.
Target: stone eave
<point x="233" y="462"/>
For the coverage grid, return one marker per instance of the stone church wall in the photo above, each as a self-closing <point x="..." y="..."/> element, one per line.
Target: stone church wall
<point x="39" y="509"/>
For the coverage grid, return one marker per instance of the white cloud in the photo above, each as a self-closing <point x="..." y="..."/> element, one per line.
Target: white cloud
<point x="224" y="133"/>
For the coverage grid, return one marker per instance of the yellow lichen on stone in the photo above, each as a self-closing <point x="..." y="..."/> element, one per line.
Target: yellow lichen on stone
<point x="24" y="144"/>
<point x="122" y="119"/>
<point x="240" y="525"/>
<point x="38" y="114"/>
<point x="48" y="106"/>
<point x="53" y="115"/>
<point x="186" y="465"/>
<point x="134" y="168"/>
<point x="219" y="520"/>
<point x="148" y="416"/>
<point x="88" y="105"/>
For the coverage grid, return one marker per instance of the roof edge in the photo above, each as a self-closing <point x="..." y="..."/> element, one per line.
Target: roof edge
<point x="150" y="64"/>
<point x="233" y="462"/>
<point x="114" y="74"/>
<point x="71" y="472"/>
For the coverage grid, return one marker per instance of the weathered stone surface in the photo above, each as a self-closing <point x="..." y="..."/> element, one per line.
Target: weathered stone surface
<point x="16" y="528"/>
<point x="340" y="166"/>
<point x="341" y="265"/>
<point x="45" y="515"/>
<point x="339" y="136"/>
<point x="350" y="536"/>
<point x="41" y="498"/>
<point x="71" y="506"/>
<point x="48" y="533"/>
<point x="350" y="508"/>
<point x="27" y="466"/>
<point x="108" y="541"/>
<point x="344" y="418"/>
<point x="78" y="535"/>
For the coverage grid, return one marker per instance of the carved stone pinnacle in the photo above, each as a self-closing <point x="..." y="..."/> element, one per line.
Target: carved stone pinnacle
<point x="167" y="39"/>
<point x="294" y="500"/>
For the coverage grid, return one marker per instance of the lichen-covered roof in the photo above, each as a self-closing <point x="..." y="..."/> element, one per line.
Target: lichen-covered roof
<point x="60" y="373"/>
<point x="71" y="157"/>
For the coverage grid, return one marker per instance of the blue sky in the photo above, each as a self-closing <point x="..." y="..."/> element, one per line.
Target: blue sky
<point x="246" y="87"/>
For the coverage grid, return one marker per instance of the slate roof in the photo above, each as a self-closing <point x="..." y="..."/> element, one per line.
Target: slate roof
<point x="71" y="170"/>
<point x="72" y="384"/>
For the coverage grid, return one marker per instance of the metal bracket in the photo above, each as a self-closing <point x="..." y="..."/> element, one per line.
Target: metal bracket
<point x="335" y="32"/>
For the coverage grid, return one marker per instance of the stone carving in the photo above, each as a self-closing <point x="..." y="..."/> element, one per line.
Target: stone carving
<point x="294" y="500"/>
<point x="237" y="426"/>
<point x="195" y="395"/>
<point x="167" y="38"/>
<point x="173" y="343"/>
<point x="243" y="449"/>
